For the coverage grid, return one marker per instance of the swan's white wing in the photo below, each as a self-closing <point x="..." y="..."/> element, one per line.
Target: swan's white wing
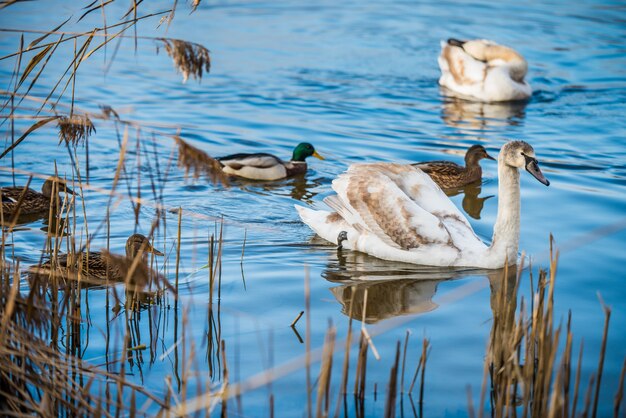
<point x="399" y="204"/>
<point x="237" y="161"/>
<point x="459" y="68"/>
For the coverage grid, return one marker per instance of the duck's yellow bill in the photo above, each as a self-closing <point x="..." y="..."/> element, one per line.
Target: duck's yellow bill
<point x="316" y="155"/>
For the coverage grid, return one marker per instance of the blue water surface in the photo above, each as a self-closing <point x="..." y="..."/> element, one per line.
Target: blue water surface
<point x="358" y="79"/>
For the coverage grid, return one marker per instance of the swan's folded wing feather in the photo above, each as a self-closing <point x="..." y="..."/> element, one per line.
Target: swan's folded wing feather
<point x="236" y="161"/>
<point x="421" y="188"/>
<point x="373" y="196"/>
<point x="463" y="68"/>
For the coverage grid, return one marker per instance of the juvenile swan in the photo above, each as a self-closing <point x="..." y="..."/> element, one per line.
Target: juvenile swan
<point x="396" y="212"/>
<point x="483" y="70"/>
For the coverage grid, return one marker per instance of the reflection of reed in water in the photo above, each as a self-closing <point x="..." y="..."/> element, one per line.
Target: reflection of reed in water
<point x="476" y="116"/>
<point x="472" y="203"/>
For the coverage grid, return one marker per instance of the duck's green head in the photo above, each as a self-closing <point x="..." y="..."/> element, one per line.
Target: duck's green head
<point x="303" y="151"/>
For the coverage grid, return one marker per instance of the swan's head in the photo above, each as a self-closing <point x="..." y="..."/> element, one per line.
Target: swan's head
<point x="520" y="154"/>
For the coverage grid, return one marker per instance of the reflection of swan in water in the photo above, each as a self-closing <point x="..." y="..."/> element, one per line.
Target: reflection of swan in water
<point x="298" y="187"/>
<point x="393" y="289"/>
<point x="477" y="116"/>
<point x="386" y="298"/>
<point x="472" y="204"/>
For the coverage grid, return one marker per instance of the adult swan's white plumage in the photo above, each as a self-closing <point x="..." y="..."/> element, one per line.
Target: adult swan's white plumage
<point x="483" y="70"/>
<point x="396" y="212"/>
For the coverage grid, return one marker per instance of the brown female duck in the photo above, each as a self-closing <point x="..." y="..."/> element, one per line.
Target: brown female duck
<point x="98" y="267"/>
<point x="27" y="201"/>
<point x="448" y="174"/>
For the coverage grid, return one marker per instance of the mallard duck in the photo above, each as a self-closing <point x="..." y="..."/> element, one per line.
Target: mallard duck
<point x="397" y="212"/>
<point x="483" y="70"/>
<point x="32" y="202"/>
<point x="448" y="174"/>
<point x="95" y="266"/>
<point x="261" y="166"/>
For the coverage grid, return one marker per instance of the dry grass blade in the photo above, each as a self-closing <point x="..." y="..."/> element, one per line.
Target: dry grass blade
<point x="34" y="127"/>
<point x="199" y="162"/>
<point x="189" y="58"/>
<point x="392" y="387"/>
<point x="194" y="5"/>
<point x="75" y="129"/>
<point x="100" y="6"/>
<point x="33" y="63"/>
<point x="45" y="35"/>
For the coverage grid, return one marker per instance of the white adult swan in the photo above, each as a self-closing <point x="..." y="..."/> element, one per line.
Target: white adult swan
<point x="396" y="212"/>
<point x="483" y="70"/>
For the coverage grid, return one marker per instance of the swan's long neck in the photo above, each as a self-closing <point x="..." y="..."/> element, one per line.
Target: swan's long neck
<point x="505" y="241"/>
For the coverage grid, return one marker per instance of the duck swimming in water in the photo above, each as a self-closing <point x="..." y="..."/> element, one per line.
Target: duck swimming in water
<point x="29" y="201"/>
<point x="262" y="166"/>
<point x="449" y="175"/>
<point x="397" y="212"/>
<point x="483" y="70"/>
<point x="97" y="268"/>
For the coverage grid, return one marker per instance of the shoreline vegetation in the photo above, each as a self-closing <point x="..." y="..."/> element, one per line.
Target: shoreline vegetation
<point x="529" y="368"/>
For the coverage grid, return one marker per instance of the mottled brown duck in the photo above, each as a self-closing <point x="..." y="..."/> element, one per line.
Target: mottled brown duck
<point x="98" y="268"/>
<point x="448" y="174"/>
<point x="29" y="201"/>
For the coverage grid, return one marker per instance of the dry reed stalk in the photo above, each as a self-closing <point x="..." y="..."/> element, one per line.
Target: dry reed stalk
<point x="307" y="338"/>
<point x="605" y="335"/>
<point x="225" y="381"/>
<point x="406" y="343"/>
<point x="189" y="58"/>
<point x="323" y="380"/>
<point x="346" y="363"/>
<point x="361" y="368"/>
<point x="619" y="395"/>
<point x="392" y="386"/>
<point x="178" y="243"/>
<point x="541" y="386"/>
<point x="295" y="321"/>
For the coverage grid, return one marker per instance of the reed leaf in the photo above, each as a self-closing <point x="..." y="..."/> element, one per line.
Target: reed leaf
<point x="199" y="163"/>
<point x="100" y="6"/>
<point x="45" y="35"/>
<point x="34" y="127"/>
<point x="33" y="63"/>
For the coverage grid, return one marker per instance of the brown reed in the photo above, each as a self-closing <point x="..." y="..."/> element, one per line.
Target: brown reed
<point x="198" y="162"/>
<point x="190" y="58"/>
<point x="75" y="129"/>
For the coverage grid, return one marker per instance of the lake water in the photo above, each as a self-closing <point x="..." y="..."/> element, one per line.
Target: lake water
<point x="359" y="81"/>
